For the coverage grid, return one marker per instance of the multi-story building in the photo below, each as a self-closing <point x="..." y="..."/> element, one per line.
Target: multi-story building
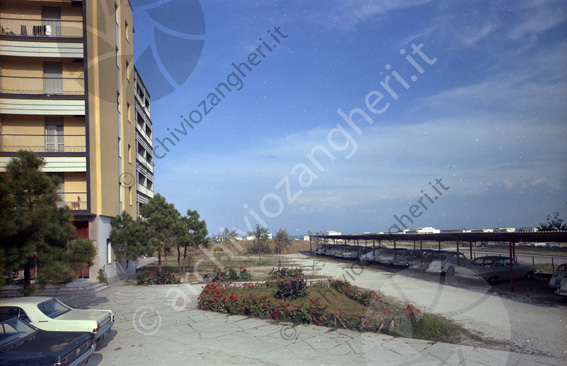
<point x="144" y="144"/>
<point x="67" y="92"/>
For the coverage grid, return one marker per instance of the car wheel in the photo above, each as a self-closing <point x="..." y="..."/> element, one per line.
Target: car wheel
<point x="451" y="271"/>
<point x="493" y="280"/>
<point x="529" y="275"/>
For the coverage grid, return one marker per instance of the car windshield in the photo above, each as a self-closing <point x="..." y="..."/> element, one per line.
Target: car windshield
<point x="14" y="329"/>
<point x="53" y="308"/>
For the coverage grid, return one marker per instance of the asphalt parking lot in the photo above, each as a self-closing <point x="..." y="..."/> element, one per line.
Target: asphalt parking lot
<point x="162" y="325"/>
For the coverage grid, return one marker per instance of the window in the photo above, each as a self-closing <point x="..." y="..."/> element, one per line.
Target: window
<point x="129" y="153"/>
<point x="54" y="138"/>
<point x="52" y="77"/>
<point x="127" y="71"/>
<point x="119" y="147"/>
<point x="108" y="251"/>
<point x="129" y="112"/>
<point x="127" y="30"/>
<point x="130" y="195"/>
<point x="51" y="21"/>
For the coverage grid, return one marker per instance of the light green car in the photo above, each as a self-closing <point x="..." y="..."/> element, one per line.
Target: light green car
<point x="48" y="313"/>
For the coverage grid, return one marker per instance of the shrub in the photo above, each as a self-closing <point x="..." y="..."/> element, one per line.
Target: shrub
<point x="159" y="278"/>
<point x="259" y="246"/>
<point x="221" y="275"/>
<point x="291" y="289"/>
<point x="283" y="272"/>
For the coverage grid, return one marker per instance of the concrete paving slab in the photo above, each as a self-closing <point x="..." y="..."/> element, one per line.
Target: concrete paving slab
<point x="151" y="329"/>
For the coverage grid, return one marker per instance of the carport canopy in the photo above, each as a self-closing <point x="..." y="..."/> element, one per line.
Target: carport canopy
<point x="472" y="237"/>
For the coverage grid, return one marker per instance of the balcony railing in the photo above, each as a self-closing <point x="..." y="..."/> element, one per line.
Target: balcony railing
<point x="41" y="28"/>
<point x="42" y="85"/>
<point x="43" y="143"/>
<point x="74" y="200"/>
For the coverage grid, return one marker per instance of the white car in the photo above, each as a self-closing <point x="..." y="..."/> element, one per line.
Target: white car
<point x="48" y="313"/>
<point x="444" y="263"/>
<point x="493" y="269"/>
<point x="559" y="277"/>
<point x="387" y="258"/>
<point x="423" y="261"/>
<point x="372" y="256"/>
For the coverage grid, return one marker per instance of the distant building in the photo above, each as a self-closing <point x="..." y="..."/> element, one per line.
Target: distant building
<point x="427" y="230"/>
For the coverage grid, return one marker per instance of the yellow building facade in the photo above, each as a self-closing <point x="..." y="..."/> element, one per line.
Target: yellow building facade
<point x="67" y="92"/>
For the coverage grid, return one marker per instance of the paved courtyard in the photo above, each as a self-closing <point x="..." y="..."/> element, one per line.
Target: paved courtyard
<point x="162" y="325"/>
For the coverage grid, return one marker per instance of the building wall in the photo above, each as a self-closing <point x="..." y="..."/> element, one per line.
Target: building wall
<point x="97" y="106"/>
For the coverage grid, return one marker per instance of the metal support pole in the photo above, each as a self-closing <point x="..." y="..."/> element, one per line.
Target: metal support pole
<point x="470" y="248"/>
<point x="458" y="260"/>
<point x="511" y="266"/>
<point x="421" y="255"/>
<point x="439" y="245"/>
<point x="310" y="248"/>
<point x="394" y="250"/>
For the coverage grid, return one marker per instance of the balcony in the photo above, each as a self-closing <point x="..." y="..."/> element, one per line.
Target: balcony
<point x="42" y="86"/>
<point x="76" y="201"/>
<point x="43" y="143"/>
<point x="38" y="29"/>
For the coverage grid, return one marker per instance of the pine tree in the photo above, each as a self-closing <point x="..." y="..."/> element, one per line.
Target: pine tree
<point x="161" y="220"/>
<point x="128" y="239"/>
<point x="40" y="230"/>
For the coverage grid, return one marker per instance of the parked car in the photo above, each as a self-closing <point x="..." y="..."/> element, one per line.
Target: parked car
<point x="22" y="344"/>
<point x="321" y="249"/>
<point x="421" y="263"/>
<point x="493" y="269"/>
<point x="559" y="276"/>
<point x="354" y="252"/>
<point x="48" y="313"/>
<point x="373" y="255"/>
<point x="445" y="263"/>
<point x="404" y="258"/>
<point x="562" y="291"/>
<point x="338" y="250"/>
<point x="387" y="257"/>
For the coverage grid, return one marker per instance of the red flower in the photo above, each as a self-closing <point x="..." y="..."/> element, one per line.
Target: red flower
<point x="313" y="301"/>
<point x="244" y="270"/>
<point x="241" y="267"/>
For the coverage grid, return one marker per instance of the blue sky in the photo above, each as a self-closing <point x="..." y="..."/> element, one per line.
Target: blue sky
<point x="485" y="112"/>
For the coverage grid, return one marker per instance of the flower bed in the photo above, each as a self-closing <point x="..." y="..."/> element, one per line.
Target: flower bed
<point x="156" y="278"/>
<point x="369" y="312"/>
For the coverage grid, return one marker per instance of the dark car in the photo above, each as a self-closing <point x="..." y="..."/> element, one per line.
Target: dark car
<point x="22" y="344"/>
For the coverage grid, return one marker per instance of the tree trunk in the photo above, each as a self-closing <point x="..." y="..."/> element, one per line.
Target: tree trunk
<point x="178" y="259"/>
<point x="184" y="259"/>
<point x="127" y="260"/>
<point x="159" y="260"/>
<point x="27" y="276"/>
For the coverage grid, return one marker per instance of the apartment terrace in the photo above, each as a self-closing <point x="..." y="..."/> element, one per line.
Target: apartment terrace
<point x="46" y="143"/>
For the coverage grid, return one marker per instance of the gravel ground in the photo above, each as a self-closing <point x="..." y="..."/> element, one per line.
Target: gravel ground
<point x="505" y="321"/>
